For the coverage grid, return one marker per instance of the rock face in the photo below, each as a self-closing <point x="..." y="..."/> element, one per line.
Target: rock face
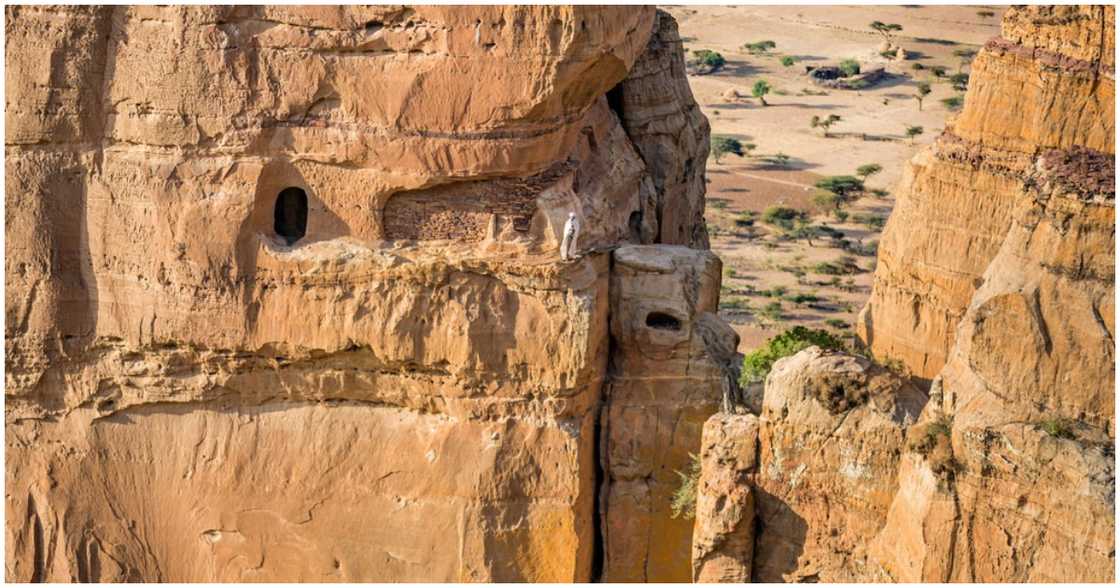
<point x="1026" y="395"/>
<point x="829" y="437"/>
<point x="671" y="360"/>
<point x="723" y="542"/>
<point x="1005" y="307"/>
<point x="656" y="107"/>
<point x="283" y="288"/>
<point x="1047" y="85"/>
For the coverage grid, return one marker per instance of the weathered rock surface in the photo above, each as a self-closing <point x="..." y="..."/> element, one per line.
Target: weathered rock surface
<point x="1018" y="484"/>
<point x="657" y="110"/>
<point x="190" y="397"/>
<point x="1046" y="85"/>
<point x="671" y="360"/>
<point x="830" y="434"/>
<point x="723" y="540"/>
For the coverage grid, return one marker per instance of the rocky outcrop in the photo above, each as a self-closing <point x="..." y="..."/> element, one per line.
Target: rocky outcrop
<point x="1047" y="85"/>
<point x="672" y="359"/>
<point x="1004" y="304"/>
<point x="391" y="376"/>
<point x="656" y="107"/>
<point x="723" y="541"/>
<point x="1024" y="487"/>
<point x="829" y="438"/>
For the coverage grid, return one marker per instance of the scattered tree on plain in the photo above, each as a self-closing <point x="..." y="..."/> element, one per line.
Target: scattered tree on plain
<point x="760" y="89"/>
<point x="843" y="186"/>
<point x="759" y="48"/>
<point x="885" y="29"/>
<point x="959" y="81"/>
<point x="923" y="91"/>
<point x="824" y="123"/>
<point x="722" y="145"/>
<point x="789" y="60"/>
<point x="953" y="103"/>
<point x="804" y="230"/>
<point x="709" y="58"/>
<point x="912" y="132"/>
<point x="868" y="170"/>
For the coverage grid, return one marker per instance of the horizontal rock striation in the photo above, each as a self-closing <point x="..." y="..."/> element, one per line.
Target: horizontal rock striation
<point x="391" y="376"/>
<point x="1023" y="103"/>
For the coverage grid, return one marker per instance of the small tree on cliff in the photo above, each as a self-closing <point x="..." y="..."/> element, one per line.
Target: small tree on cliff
<point x="684" y="498"/>
<point x="922" y="92"/>
<point x="760" y="89"/>
<point x="722" y="145"/>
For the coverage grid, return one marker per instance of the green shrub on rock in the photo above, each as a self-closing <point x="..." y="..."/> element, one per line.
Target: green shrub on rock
<point x="757" y="364"/>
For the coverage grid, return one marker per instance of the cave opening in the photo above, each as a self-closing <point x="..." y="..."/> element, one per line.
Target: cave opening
<point x="661" y="320"/>
<point x="615" y="101"/>
<point x="290" y="214"/>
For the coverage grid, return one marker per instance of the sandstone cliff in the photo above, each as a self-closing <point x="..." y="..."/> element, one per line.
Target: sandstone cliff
<point x="1046" y="85"/>
<point x="1004" y="305"/>
<point x="283" y="298"/>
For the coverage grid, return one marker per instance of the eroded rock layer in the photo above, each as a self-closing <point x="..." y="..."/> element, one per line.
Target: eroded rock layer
<point x="672" y="359"/>
<point x="1004" y="304"/>
<point x="1046" y="85"/>
<point x="283" y="298"/>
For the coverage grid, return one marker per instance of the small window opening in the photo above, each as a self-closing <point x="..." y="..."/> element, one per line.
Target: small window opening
<point x="291" y="214"/>
<point x="661" y="320"/>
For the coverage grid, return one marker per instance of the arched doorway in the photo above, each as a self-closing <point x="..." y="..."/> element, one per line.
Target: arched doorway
<point x="290" y="214"/>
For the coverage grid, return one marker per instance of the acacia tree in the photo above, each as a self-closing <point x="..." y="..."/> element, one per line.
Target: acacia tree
<point x="789" y="60"/>
<point x="760" y="89"/>
<point x="804" y="230"/>
<point x="868" y="170"/>
<point x="844" y="187"/>
<point x="722" y="145"/>
<point x="912" y="132"/>
<point x="824" y="123"/>
<point x="885" y="29"/>
<point x="923" y="91"/>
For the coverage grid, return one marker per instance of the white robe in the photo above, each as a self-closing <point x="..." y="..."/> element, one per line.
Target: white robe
<point x="568" y="243"/>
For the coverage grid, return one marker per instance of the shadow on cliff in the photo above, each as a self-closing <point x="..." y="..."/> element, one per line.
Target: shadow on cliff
<point x="779" y="538"/>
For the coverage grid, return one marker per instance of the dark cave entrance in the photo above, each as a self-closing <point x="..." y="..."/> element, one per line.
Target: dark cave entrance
<point x="661" y="320"/>
<point x="290" y="214"/>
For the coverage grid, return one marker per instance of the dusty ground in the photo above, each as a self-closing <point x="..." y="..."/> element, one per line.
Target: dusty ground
<point x="764" y="272"/>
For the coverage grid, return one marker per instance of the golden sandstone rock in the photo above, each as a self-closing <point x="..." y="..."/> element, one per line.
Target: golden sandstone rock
<point x="284" y="304"/>
<point x="283" y="295"/>
<point x="1003" y="303"/>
